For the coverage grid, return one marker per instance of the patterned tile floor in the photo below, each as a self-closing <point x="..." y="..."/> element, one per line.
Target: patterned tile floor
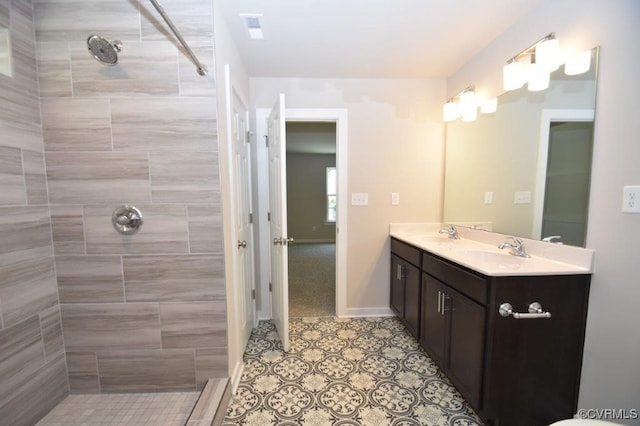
<point x="343" y="372"/>
<point x="166" y="409"/>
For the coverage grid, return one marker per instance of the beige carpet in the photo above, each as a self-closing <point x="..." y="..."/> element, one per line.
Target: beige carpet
<point x="312" y="280"/>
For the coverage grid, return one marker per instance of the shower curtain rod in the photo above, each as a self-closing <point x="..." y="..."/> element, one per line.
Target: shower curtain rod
<point x="202" y="70"/>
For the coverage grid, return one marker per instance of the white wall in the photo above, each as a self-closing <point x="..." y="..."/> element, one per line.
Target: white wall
<point x="226" y="53"/>
<point x="611" y="367"/>
<point x="395" y="145"/>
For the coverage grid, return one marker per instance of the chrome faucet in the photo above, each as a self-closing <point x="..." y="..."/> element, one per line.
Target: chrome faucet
<point x="517" y="247"/>
<point x="451" y="230"/>
<point x="551" y="239"/>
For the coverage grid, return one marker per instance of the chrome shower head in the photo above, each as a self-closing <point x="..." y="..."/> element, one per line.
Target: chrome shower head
<point x="104" y="51"/>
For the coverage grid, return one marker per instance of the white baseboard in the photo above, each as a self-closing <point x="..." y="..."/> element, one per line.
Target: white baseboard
<point x="235" y="377"/>
<point x="367" y="312"/>
<point x="352" y="313"/>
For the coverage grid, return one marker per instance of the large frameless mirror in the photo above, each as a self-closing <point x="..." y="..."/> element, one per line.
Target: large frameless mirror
<point x="525" y="170"/>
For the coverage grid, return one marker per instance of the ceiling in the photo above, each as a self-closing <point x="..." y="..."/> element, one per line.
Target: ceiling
<point x="367" y="38"/>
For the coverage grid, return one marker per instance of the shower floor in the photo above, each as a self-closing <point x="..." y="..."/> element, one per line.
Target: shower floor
<point x="171" y="408"/>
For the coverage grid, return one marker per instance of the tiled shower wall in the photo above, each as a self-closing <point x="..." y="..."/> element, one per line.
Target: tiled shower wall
<point x="143" y="312"/>
<point x="33" y="376"/>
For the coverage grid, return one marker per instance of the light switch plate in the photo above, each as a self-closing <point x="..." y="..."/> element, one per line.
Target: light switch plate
<point x="359" y="199"/>
<point x="522" y="197"/>
<point x="395" y="198"/>
<point x="488" y="197"/>
<point x="631" y="199"/>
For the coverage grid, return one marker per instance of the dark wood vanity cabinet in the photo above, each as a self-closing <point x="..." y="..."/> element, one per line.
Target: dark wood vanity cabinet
<point x="453" y="328"/>
<point x="523" y="372"/>
<point x="405" y="285"/>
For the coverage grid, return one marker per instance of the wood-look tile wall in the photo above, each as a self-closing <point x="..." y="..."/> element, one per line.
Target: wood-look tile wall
<point x="142" y="312"/>
<point x="33" y="375"/>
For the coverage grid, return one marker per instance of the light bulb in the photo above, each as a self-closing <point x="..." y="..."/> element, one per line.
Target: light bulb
<point x="470" y="114"/>
<point x="468" y="106"/>
<point x="548" y="54"/>
<point x="513" y="75"/>
<point x="578" y="64"/>
<point x="538" y="78"/>
<point x="450" y="111"/>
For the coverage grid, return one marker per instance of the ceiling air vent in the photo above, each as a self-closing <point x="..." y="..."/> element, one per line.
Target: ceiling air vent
<point x="252" y="22"/>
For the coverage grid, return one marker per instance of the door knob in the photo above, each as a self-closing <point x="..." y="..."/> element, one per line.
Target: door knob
<point x="277" y="241"/>
<point x="242" y="244"/>
<point x="286" y="241"/>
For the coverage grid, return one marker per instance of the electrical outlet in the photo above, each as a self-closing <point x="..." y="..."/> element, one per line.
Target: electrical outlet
<point x="631" y="199"/>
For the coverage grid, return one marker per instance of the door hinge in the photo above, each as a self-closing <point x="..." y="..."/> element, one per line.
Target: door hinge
<point x="253" y="294"/>
<point x="269" y="216"/>
<point x="250" y="217"/>
<point x="248" y="136"/>
<point x="266" y="139"/>
<point x="270" y="287"/>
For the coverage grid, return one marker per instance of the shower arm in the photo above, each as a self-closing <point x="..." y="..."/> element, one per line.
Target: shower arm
<point x="202" y="70"/>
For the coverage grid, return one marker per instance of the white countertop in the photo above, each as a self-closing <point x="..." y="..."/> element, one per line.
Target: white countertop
<point x="478" y="250"/>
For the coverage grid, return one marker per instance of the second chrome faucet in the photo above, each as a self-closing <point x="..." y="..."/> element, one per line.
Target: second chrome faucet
<point x="451" y="230"/>
<point x="517" y="247"/>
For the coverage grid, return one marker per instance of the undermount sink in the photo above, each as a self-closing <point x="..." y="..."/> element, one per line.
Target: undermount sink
<point x="491" y="258"/>
<point x="435" y="239"/>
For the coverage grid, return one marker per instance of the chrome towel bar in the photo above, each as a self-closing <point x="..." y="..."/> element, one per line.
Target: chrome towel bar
<point x="535" y="311"/>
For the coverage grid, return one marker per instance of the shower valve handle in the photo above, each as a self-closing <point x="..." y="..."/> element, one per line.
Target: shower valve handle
<point x="126" y="219"/>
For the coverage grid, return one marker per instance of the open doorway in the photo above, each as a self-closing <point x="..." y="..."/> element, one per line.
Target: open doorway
<point x="566" y="197"/>
<point x="311" y="217"/>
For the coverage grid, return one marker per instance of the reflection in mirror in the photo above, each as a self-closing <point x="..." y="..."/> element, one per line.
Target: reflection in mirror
<point x="5" y="52"/>
<point x="526" y="168"/>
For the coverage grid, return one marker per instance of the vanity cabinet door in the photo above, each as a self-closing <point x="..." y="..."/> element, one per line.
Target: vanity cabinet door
<point x="453" y="328"/>
<point x="434" y="324"/>
<point x="397" y="286"/>
<point x="412" y="299"/>
<point x="466" y="345"/>
<point x="405" y="293"/>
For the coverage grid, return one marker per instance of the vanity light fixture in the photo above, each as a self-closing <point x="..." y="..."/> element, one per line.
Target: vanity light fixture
<point x="463" y="105"/>
<point x="543" y="57"/>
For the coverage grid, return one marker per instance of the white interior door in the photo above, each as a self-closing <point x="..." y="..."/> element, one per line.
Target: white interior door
<point x="276" y="126"/>
<point x="243" y="219"/>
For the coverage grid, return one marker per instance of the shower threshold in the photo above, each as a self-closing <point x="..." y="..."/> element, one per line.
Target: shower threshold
<point x="161" y="408"/>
